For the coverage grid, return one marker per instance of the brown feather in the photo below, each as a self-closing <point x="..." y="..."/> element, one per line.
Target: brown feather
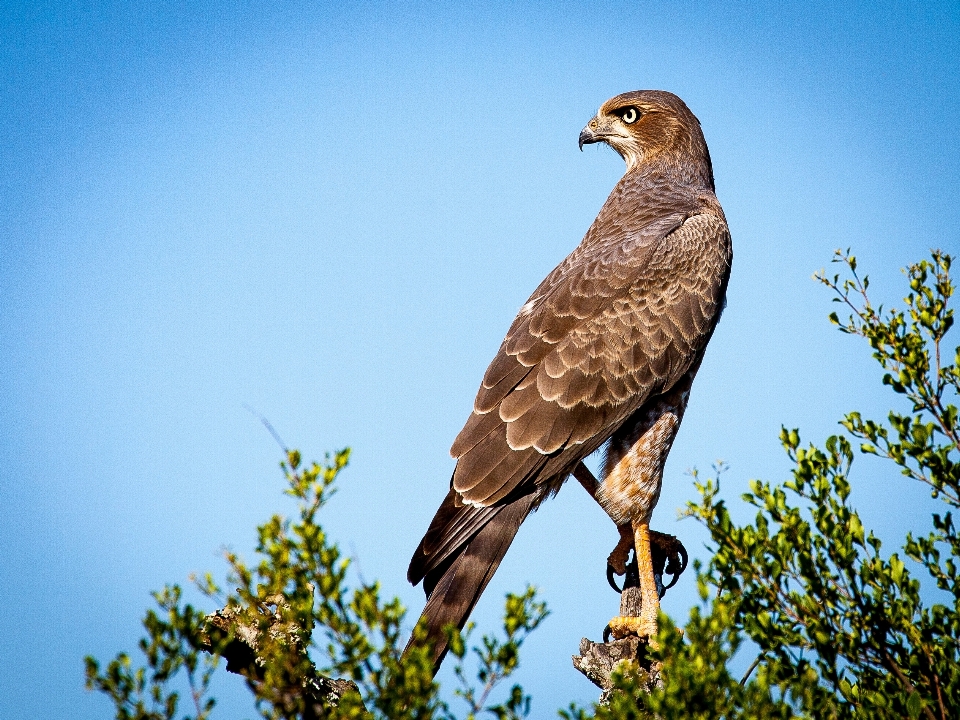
<point x="489" y="396"/>
<point x="455" y="592"/>
<point x="621" y="321"/>
<point x="500" y="475"/>
<point x="478" y="427"/>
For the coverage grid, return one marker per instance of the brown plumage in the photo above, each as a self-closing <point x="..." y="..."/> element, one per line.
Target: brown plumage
<point x="606" y="347"/>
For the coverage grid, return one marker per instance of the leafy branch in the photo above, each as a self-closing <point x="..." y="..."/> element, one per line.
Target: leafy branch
<point x="294" y="621"/>
<point x="498" y="659"/>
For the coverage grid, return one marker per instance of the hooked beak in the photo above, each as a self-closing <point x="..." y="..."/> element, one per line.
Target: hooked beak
<point x="603" y="129"/>
<point x="588" y="136"/>
<point x="597" y="130"/>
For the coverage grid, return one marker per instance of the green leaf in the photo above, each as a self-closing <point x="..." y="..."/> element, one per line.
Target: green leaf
<point x="914" y="705"/>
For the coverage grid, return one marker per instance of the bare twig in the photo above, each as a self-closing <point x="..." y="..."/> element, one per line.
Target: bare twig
<point x="753" y="666"/>
<point x="269" y="427"/>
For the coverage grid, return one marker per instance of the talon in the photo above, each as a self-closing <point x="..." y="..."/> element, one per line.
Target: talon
<point x="610" y="579"/>
<point x="617" y="561"/>
<point x="669" y="558"/>
<point x="618" y="556"/>
<point x="676" y="565"/>
<point x="683" y="557"/>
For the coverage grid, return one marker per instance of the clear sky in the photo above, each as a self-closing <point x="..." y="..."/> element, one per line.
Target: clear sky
<point x="332" y="212"/>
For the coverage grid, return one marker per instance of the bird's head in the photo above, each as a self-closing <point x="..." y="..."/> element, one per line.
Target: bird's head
<point x="649" y="124"/>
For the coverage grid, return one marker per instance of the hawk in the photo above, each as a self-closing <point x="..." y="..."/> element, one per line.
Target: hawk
<point x="603" y="354"/>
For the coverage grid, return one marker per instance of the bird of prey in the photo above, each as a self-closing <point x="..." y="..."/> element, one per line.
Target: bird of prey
<point x="603" y="354"/>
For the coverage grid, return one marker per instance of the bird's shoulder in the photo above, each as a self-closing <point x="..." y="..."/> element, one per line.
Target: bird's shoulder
<point x="618" y="262"/>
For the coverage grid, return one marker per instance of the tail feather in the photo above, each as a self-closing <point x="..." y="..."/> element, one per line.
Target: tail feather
<point x="464" y="577"/>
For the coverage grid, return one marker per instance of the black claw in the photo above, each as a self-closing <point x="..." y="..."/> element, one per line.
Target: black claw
<point x="676" y="565"/>
<point x="672" y="565"/>
<point x="606" y="634"/>
<point x="611" y="580"/>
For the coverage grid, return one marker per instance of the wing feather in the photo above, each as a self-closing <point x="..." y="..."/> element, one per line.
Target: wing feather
<point x="621" y="319"/>
<point x="596" y="340"/>
<point x="489" y="396"/>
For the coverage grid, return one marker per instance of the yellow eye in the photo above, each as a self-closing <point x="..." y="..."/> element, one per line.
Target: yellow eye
<point x="630" y="115"/>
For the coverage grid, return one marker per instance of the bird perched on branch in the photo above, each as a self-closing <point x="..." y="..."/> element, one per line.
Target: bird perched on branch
<point x="603" y="354"/>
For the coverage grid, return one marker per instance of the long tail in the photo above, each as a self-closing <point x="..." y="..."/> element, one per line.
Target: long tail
<point x="455" y="585"/>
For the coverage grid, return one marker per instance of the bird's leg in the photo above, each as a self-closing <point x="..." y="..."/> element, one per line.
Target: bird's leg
<point x="632" y="478"/>
<point x="669" y="554"/>
<point x="617" y="560"/>
<point x="646" y="624"/>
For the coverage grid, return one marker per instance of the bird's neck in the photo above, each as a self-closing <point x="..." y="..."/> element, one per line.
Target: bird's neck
<point x="672" y="172"/>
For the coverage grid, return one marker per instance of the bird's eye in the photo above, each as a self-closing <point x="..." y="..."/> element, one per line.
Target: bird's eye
<point x="630" y="115"/>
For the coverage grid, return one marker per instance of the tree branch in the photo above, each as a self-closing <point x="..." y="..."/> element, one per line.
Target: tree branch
<point x="241" y="644"/>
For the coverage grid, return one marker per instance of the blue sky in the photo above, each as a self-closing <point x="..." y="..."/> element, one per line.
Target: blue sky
<point x="331" y="213"/>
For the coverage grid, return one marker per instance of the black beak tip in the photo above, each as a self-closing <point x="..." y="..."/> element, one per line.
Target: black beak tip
<point x="586" y="137"/>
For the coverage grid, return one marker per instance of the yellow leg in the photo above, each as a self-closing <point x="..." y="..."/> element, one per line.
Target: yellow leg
<point x="646" y="624"/>
<point x="648" y="584"/>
